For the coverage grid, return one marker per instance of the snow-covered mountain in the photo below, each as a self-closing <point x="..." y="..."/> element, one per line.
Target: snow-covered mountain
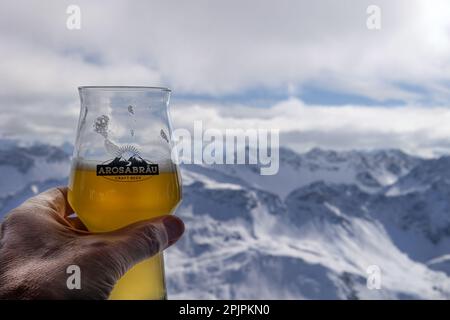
<point x="370" y="171"/>
<point x="309" y="232"/>
<point x="25" y="170"/>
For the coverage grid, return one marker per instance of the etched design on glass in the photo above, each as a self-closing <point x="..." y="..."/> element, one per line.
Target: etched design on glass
<point x="128" y="151"/>
<point x="164" y="135"/>
<point x="101" y="125"/>
<point x="131" y="114"/>
<point x="111" y="147"/>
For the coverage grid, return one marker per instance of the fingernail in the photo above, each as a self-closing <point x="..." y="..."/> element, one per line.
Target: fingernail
<point x="174" y="227"/>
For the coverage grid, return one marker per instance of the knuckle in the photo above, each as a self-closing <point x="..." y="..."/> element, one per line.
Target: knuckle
<point x="153" y="238"/>
<point x="94" y="242"/>
<point x="14" y="218"/>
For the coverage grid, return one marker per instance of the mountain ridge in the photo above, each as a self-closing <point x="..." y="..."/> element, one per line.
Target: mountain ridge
<point x="309" y="232"/>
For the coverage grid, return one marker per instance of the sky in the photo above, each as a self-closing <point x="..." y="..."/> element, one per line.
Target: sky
<point x="312" y="69"/>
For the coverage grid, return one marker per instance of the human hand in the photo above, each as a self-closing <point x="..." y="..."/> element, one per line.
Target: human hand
<point x="38" y="241"/>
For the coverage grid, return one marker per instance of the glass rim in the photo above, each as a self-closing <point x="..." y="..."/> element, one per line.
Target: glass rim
<point x="124" y="88"/>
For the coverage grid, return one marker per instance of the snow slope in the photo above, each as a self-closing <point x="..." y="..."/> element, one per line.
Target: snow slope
<point x="309" y="232"/>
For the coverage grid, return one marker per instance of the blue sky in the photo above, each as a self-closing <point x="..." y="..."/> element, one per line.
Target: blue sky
<point x="312" y="69"/>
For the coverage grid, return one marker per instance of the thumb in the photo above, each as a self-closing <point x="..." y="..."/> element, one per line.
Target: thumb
<point x="141" y="240"/>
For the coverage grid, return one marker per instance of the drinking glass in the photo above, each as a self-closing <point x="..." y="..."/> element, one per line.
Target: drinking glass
<point x="122" y="172"/>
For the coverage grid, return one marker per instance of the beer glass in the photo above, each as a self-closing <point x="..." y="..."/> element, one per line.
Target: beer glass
<point x="122" y="171"/>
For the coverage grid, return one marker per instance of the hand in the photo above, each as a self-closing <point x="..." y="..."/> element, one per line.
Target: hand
<point x="38" y="241"/>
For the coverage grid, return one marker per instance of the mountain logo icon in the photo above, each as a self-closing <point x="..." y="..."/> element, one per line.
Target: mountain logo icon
<point x="131" y="161"/>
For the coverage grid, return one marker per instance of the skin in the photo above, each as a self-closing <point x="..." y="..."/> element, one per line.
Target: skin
<point x="38" y="241"/>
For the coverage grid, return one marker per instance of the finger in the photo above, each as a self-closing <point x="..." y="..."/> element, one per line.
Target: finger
<point x="65" y="207"/>
<point x="141" y="240"/>
<point x="55" y="199"/>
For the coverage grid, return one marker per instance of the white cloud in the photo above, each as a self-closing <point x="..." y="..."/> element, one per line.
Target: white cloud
<point x="228" y="47"/>
<point x="418" y="130"/>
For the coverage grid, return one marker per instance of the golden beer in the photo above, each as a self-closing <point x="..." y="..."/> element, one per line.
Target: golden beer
<point x="108" y="203"/>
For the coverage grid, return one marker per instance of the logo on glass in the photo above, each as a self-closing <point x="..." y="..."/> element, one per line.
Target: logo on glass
<point x="127" y="168"/>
